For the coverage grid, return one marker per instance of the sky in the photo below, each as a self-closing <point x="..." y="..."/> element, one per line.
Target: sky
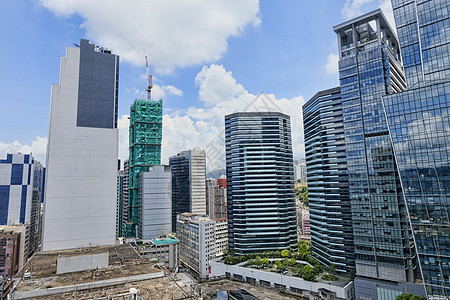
<point x="208" y="58"/>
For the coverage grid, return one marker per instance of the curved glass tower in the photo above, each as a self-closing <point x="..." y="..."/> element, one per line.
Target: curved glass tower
<point x="260" y="182"/>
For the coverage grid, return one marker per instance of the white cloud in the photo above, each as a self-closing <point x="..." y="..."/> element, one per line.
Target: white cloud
<point x="355" y="8"/>
<point x="204" y="126"/>
<point x="331" y="66"/>
<point x="172" y="33"/>
<point x="38" y="148"/>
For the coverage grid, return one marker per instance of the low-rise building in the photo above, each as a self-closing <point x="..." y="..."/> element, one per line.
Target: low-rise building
<point x="197" y="242"/>
<point x="165" y="249"/>
<point x="221" y="237"/>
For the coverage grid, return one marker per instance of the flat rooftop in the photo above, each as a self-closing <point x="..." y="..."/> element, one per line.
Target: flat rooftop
<point x="165" y="241"/>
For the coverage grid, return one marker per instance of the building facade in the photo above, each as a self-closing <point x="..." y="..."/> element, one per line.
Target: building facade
<point x="155" y="208"/>
<point x="9" y="253"/>
<point x="82" y="150"/>
<point x="216" y="199"/>
<point x="16" y="189"/>
<point x="188" y="183"/>
<point x="328" y="189"/>
<point x="197" y="242"/>
<point x="260" y="182"/>
<point x="419" y="127"/>
<point x="145" y="138"/>
<point x="165" y="249"/>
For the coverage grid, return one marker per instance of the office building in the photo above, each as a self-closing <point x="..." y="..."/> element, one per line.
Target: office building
<point x="197" y="242"/>
<point x="260" y="182"/>
<point x="16" y="188"/>
<point x="369" y="68"/>
<point x="326" y="162"/>
<point x="216" y="199"/>
<point x="82" y="150"/>
<point x="145" y="137"/>
<point x="419" y="127"/>
<point x="188" y="183"/>
<point x="155" y="208"/>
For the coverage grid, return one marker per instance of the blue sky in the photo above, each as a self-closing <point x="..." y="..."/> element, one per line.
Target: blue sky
<point x="208" y="57"/>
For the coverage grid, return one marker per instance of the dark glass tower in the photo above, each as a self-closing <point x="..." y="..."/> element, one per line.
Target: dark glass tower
<point x="260" y="182"/>
<point x="419" y="125"/>
<point x="369" y="68"/>
<point x="326" y="162"/>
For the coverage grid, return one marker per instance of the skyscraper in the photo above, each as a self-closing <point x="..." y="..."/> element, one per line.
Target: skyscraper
<point x="145" y="151"/>
<point x="326" y="163"/>
<point x="260" y="182"/>
<point x="188" y="183"/>
<point x="81" y="183"/>
<point x="369" y="68"/>
<point x="419" y="125"/>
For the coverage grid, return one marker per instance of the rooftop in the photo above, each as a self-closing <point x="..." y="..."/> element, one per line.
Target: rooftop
<point x="164" y="241"/>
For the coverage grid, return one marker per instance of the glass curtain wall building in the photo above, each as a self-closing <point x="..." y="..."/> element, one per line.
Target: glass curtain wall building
<point x="369" y="68"/>
<point x="419" y="125"/>
<point x="326" y="163"/>
<point x="260" y="182"/>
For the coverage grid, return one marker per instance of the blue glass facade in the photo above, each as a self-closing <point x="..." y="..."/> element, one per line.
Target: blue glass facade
<point x="326" y="162"/>
<point x="369" y="68"/>
<point x="260" y="182"/>
<point x="181" y="192"/>
<point x="419" y="121"/>
<point x="420" y="130"/>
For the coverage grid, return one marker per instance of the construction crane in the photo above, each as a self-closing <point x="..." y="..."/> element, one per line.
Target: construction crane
<point x="149" y="81"/>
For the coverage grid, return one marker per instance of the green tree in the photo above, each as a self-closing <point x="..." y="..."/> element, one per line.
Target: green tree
<point x="278" y="264"/>
<point x="265" y="261"/>
<point x="258" y="261"/>
<point x="331" y="269"/>
<point x="292" y="262"/>
<point x="285" y="253"/>
<point x="409" y="297"/>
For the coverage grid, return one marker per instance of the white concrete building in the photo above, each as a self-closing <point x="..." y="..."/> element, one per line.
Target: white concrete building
<point x="197" y="242"/>
<point x="82" y="150"/>
<point x="155" y="192"/>
<point x="221" y="237"/>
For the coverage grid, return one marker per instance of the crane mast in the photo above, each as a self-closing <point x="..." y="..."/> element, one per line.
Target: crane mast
<point x="149" y="81"/>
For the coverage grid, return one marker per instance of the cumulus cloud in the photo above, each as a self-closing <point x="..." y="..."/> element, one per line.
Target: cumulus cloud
<point x="172" y="33"/>
<point x="158" y="91"/>
<point x="38" y="148"/>
<point x="204" y="126"/>
<point x="331" y="66"/>
<point x="354" y="8"/>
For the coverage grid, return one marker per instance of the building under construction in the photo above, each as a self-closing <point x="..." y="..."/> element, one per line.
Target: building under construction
<point x="145" y="137"/>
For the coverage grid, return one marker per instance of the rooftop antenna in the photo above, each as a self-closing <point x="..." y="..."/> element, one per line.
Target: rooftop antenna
<point x="149" y="80"/>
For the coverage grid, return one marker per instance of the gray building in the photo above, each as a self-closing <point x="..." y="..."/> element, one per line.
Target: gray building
<point x="326" y="162"/>
<point x="260" y="182"/>
<point x="188" y="183"/>
<point x="166" y="249"/>
<point x="419" y="125"/>
<point x="155" y="211"/>
<point x="82" y="150"/>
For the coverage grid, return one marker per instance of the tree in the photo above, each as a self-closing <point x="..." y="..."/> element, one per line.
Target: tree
<point x="292" y="262"/>
<point x="285" y="253"/>
<point x="278" y="264"/>
<point x="265" y="261"/>
<point x="409" y="297"/>
<point x="331" y="269"/>
<point x="258" y="261"/>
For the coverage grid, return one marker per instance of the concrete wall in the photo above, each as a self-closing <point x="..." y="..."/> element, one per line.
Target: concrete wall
<point x="290" y="283"/>
<point x="81" y="263"/>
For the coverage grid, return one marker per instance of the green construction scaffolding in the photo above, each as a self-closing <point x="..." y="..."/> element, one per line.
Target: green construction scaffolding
<point x="145" y="137"/>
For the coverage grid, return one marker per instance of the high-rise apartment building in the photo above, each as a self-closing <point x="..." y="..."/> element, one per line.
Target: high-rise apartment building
<point x="120" y="204"/>
<point x="260" y="182"/>
<point x="145" y="151"/>
<point x="197" y="242"/>
<point x="419" y="125"/>
<point x="326" y="162"/>
<point x="188" y="183"/>
<point x="155" y="205"/>
<point x="82" y="150"/>
<point x="216" y="199"/>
